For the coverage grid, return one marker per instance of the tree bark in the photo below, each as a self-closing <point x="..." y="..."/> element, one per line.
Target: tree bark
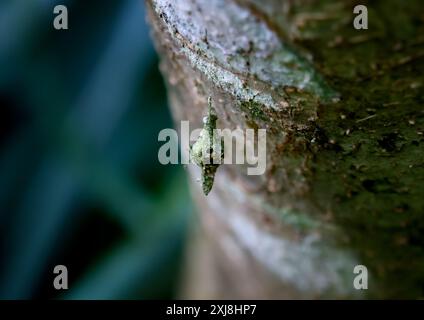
<point x="344" y="120"/>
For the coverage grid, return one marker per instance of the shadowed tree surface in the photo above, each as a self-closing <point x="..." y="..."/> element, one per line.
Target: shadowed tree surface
<point x="343" y="109"/>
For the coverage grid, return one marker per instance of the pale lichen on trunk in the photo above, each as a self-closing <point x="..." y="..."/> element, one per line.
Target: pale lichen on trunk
<point x="344" y="120"/>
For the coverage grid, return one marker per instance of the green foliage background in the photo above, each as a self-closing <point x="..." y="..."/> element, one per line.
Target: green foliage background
<point x="80" y="183"/>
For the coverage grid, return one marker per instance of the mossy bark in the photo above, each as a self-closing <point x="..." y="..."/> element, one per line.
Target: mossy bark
<point x="343" y="109"/>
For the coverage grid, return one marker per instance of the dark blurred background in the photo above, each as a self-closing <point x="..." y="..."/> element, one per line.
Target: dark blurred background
<point x="80" y="183"/>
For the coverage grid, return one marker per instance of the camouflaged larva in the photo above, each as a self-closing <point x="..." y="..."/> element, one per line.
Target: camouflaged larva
<point x="207" y="151"/>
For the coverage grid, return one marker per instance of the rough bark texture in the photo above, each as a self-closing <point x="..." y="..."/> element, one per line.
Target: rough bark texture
<point x="343" y="109"/>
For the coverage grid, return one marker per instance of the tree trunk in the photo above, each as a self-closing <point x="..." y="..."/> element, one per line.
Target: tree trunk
<point x="344" y="119"/>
